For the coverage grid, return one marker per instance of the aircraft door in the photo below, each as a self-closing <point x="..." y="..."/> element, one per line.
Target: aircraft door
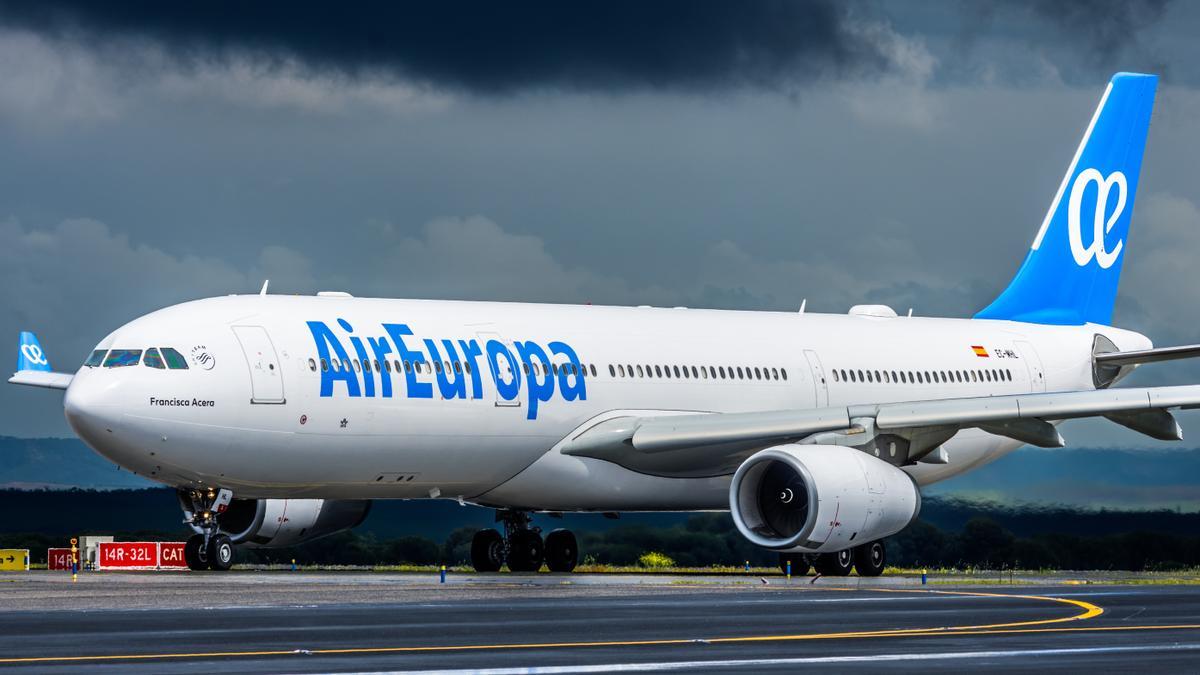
<point x="1033" y="363"/>
<point x="266" y="376"/>
<point x="820" y="387"/>
<point x="505" y="369"/>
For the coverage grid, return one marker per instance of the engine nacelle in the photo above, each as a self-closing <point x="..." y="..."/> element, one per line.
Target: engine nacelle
<point x="286" y="522"/>
<point x="820" y="498"/>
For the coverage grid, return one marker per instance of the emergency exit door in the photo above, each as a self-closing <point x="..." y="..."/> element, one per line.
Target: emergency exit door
<point x="266" y="377"/>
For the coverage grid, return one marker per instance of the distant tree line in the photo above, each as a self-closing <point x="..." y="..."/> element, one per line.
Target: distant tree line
<point x="710" y="539"/>
<point x="950" y="533"/>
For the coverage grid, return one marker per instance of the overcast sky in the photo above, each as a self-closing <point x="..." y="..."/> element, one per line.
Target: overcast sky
<point x="740" y="155"/>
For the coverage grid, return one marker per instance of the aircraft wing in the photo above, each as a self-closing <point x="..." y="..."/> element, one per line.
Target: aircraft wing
<point x="715" y="443"/>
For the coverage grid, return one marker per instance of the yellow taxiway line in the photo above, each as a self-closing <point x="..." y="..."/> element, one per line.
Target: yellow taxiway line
<point x="1088" y="611"/>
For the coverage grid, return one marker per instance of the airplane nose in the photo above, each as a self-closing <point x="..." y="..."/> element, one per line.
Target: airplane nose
<point x="87" y="406"/>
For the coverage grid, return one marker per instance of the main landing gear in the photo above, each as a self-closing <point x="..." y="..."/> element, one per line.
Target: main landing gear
<point x="207" y="549"/>
<point x="521" y="546"/>
<point x="868" y="559"/>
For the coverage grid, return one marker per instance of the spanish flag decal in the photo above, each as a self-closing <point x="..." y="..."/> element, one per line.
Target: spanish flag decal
<point x="979" y="351"/>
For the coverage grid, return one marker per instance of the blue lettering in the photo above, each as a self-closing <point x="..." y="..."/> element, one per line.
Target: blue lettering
<point x="577" y="389"/>
<point x="512" y="388"/>
<point x="449" y="389"/>
<point x="416" y="389"/>
<point x="539" y="389"/>
<point x="368" y="378"/>
<point x="471" y="354"/>
<point x="325" y="340"/>
<point x="382" y="348"/>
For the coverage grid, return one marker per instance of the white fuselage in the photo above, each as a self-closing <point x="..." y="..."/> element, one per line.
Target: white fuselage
<point x="249" y="413"/>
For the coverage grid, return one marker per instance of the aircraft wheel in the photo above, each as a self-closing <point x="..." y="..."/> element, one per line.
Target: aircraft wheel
<point x="220" y="552"/>
<point x="799" y="563"/>
<point x="870" y="559"/>
<point x="195" y="554"/>
<point x="525" y="551"/>
<point x="835" y="564"/>
<point x="562" y="551"/>
<point x="487" y="551"/>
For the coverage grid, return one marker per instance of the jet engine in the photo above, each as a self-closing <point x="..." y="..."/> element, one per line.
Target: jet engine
<point x="286" y="522"/>
<point x="820" y="498"/>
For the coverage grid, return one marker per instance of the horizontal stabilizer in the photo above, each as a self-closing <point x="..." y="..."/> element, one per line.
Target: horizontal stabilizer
<point x="1117" y="359"/>
<point x="41" y="378"/>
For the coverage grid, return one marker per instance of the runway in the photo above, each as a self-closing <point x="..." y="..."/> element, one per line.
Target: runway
<point x="348" y="622"/>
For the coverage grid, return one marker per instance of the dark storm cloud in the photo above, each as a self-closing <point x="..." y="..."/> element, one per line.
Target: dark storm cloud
<point x="495" y="47"/>
<point x="1104" y="26"/>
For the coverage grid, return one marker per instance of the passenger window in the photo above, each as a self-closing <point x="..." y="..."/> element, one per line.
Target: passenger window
<point x="676" y="368"/>
<point x="312" y="365"/>
<point x="467" y="367"/>
<point x="886" y="378"/>
<point x="852" y="378"/>
<point x="835" y="376"/>
<point x="1008" y="374"/>
<point x="783" y="372"/>
<point x="152" y="359"/>
<point x="592" y="366"/>
<point x="366" y="365"/>
<point x="96" y="358"/>
<point x="357" y="366"/>
<point x="324" y="365"/>
<point x="686" y="373"/>
<point x="437" y="365"/>
<point x="119" y="358"/>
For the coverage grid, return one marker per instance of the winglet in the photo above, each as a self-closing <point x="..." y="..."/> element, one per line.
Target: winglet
<point x="30" y="355"/>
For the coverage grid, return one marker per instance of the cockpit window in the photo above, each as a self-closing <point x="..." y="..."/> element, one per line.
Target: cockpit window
<point x="152" y="359"/>
<point x="174" y="359"/>
<point x="118" y="358"/>
<point x="96" y="358"/>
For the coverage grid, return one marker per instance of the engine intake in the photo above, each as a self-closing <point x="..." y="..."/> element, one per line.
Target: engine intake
<point x="820" y="498"/>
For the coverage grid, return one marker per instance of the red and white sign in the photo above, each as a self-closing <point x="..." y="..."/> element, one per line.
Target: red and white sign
<point x="170" y="555"/>
<point x="140" y="555"/>
<point x="58" y="559"/>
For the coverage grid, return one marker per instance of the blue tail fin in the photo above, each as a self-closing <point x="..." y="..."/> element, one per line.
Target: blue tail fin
<point x="1070" y="275"/>
<point x="30" y="355"/>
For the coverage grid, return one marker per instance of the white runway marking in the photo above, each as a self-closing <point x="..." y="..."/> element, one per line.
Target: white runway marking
<point x="796" y="661"/>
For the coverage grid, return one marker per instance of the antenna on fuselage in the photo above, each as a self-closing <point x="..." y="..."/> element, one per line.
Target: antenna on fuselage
<point x="910" y="312"/>
<point x="266" y="282"/>
<point x="803" y="304"/>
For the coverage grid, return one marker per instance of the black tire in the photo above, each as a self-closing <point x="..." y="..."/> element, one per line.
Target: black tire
<point x="799" y="563"/>
<point x="525" y="551"/>
<point x="220" y="552"/>
<point x="870" y="559"/>
<point x="562" y="551"/>
<point x="487" y="551"/>
<point x="835" y="564"/>
<point x="195" y="554"/>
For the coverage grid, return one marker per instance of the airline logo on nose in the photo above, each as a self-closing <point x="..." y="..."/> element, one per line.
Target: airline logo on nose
<point x="1101" y="225"/>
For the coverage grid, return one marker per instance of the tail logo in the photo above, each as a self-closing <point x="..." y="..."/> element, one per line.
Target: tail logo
<point x="34" y="354"/>
<point x="1101" y="225"/>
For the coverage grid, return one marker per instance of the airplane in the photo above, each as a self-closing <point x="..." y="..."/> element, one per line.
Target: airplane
<point x="279" y="418"/>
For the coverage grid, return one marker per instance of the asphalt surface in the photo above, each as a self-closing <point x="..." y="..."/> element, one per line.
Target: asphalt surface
<point x="346" y="622"/>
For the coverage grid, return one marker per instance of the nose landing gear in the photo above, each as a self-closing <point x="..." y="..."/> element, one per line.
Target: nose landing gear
<point x="207" y="549"/>
<point x="521" y="546"/>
